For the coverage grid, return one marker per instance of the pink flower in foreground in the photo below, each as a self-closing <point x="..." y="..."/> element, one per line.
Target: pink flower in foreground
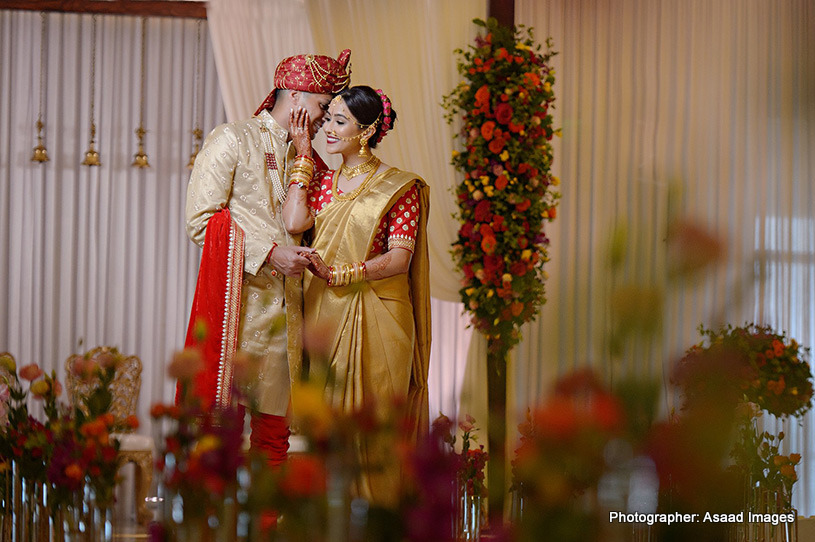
<point x="31" y="372"/>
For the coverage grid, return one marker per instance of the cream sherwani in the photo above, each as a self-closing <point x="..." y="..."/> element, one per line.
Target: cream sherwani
<point x="231" y="172"/>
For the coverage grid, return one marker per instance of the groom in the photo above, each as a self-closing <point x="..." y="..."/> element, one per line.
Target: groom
<point x="249" y="291"/>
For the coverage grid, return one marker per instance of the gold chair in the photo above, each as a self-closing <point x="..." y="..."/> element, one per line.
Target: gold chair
<point x="125" y="389"/>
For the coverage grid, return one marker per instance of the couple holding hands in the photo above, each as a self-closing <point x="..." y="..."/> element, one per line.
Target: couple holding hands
<point x="361" y="284"/>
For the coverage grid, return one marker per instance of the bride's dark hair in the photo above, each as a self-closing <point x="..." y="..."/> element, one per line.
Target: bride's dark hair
<point x="367" y="106"/>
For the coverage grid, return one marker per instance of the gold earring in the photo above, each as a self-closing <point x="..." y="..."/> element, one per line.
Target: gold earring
<point x="363" y="147"/>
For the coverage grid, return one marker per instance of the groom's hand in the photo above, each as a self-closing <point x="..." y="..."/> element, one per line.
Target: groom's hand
<point x="290" y="260"/>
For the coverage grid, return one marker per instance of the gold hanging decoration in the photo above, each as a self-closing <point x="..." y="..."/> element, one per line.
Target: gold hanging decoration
<point x="92" y="156"/>
<point x="197" y="133"/>
<point x="140" y="158"/>
<point x="40" y="152"/>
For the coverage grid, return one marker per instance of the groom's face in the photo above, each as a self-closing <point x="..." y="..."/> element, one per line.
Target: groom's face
<point x="315" y="105"/>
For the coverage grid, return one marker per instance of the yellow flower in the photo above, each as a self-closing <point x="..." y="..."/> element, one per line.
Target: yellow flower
<point x="469" y="291"/>
<point x="489" y="191"/>
<point x="484" y="180"/>
<point x="547" y="86"/>
<point x="205" y="444"/>
<point x="506" y="277"/>
<point x="555" y="181"/>
<point x="522" y="46"/>
<point x="559" y="132"/>
<point x="490" y="292"/>
<point x="526" y="254"/>
<point x="39" y="388"/>
<point x="504" y="156"/>
<point x="310" y="408"/>
<point x="455" y="154"/>
<point x="7" y="363"/>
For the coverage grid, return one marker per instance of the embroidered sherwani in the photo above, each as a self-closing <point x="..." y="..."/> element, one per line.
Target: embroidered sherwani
<point x="231" y="172"/>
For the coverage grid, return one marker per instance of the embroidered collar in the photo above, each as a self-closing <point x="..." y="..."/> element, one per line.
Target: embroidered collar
<point x="277" y="131"/>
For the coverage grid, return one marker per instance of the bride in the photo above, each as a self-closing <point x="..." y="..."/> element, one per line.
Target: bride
<point x="369" y="289"/>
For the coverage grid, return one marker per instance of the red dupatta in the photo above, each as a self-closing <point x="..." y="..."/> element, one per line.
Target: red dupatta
<point x="216" y="307"/>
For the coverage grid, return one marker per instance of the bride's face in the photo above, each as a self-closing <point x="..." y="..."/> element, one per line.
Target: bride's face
<point x="342" y="131"/>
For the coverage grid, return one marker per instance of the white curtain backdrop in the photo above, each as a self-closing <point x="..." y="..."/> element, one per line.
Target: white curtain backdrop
<point x="98" y="255"/>
<point x="715" y="103"/>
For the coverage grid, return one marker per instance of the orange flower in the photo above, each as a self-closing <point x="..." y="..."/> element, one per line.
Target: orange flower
<point x="788" y="471"/>
<point x="501" y="182"/>
<point x="132" y="422"/>
<point x="777" y="386"/>
<point x="517" y="308"/>
<point x="552" y="212"/>
<point x="496" y="145"/>
<point x="532" y="79"/>
<point x="502" y="54"/>
<point x="30" y="372"/>
<point x="487" y="129"/>
<point x="488" y="245"/>
<point x="778" y="347"/>
<point x="482" y="95"/>
<point x="795" y="458"/>
<point x="74" y="472"/>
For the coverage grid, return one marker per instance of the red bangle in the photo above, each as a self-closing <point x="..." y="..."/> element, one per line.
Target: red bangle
<point x="269" y="257"/>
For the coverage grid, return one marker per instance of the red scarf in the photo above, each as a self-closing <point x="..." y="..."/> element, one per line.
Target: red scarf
<point x="216" y="308"/>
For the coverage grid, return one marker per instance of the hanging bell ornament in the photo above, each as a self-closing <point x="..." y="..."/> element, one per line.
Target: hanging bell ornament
<point x="40" y="153"/>
<point x="140" y="158"/>
<point x="91" y="156"/>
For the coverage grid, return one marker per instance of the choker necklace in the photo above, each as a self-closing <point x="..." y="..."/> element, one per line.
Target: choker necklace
<point x="371" y="164"/>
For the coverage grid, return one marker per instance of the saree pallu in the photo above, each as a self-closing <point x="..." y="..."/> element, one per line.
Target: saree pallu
<point x="380" y="329"/>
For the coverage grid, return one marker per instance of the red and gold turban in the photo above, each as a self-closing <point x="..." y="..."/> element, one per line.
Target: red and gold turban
<point x="318" y="74"/>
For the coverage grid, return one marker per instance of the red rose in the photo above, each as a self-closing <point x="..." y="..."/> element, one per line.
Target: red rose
<point x="503" y="113"/>
<point x="501" y="182"/>
<point x="482" y="211"/>
<point x="523" y="206"/>
<point x="496" y="146"/>
<point x="518" y="269"/>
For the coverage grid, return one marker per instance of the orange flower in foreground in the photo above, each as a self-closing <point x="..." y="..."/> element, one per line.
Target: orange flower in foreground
<point x="304" y="476"/>
<point x="30" y="372"/>
<point x="74" y="472"/>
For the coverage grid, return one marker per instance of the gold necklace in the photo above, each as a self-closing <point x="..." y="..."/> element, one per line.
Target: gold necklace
<point x="371" y="164"/>
<point x="353" y="193"/>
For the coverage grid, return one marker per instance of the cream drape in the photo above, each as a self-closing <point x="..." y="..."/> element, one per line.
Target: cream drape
<point x="713" y="100"/>
<point x="249" y="38"/>
<point x="98" y="255"/>
<point x="405" y="48"/>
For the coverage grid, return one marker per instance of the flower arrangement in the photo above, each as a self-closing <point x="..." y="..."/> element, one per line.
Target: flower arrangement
<point x="758" y="458"/>
<point x="770" y="369"/>
<point x="470" y="461"/>
<point x="508" y="193"/>
<point x="560" y="457"/>
<point x="201" y="455"/>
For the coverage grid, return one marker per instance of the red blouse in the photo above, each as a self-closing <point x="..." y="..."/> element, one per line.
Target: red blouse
<point x="398" y="226"/>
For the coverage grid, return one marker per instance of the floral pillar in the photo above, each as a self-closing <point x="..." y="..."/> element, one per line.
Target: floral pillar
<point x="505" y="198"/>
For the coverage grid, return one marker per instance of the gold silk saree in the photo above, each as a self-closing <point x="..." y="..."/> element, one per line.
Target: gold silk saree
<point x="379" y="330"/>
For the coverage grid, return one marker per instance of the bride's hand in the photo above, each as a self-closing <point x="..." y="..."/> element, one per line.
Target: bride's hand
<point x="300" y="130"/>
<point x="318" y="266"/>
